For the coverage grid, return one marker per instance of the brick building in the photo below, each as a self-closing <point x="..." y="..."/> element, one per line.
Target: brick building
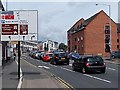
<point x="92" y="36"/>
<point x="118" y="40"/>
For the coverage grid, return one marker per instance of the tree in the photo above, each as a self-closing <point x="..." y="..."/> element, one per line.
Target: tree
<point x="63" y="46"/>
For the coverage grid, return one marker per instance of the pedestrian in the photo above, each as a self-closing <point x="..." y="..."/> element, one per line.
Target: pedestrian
<point x="14" y="56"/>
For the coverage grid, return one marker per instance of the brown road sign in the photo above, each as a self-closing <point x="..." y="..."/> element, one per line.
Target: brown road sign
<point x="23" y="29"/>
<point x="9" y="29"/>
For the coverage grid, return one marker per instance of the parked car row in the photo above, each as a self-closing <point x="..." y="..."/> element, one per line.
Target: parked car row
<point x="57" y="57"/>
<point x="84" y="63"/>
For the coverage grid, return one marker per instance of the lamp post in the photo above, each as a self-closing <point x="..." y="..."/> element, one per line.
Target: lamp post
<point x="110" y="42"/>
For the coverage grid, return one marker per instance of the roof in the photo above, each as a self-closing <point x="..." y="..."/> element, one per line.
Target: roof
<point x="87" y="21"/>
<point x="72" y="28"/>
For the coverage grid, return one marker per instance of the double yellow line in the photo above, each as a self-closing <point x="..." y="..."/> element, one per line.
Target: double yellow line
<point x="67" y="85"/>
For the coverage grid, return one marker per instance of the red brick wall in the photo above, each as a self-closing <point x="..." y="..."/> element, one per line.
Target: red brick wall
<point x="95" y="35"/>
<point x="119" y="41"/>
<point x="71" y="37"/>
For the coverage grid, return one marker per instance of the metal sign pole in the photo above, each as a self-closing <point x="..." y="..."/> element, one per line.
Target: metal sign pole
<point x="19" y="59"/>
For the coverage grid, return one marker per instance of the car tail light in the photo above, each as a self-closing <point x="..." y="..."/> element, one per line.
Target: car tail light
<point x="87" y="64"/>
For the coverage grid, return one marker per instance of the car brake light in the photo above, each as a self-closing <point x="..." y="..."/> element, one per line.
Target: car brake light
<point x="87" y="64"/>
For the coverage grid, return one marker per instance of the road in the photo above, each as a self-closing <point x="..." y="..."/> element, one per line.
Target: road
<point x="77" y="79"/>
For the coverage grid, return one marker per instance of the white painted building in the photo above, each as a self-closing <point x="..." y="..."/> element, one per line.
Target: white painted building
<point x="29" y="45"/>
<point x="49" y="45"/>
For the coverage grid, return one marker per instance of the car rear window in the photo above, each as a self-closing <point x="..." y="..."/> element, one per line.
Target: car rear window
<point x="93" y="59"/>
<point x="50" y="55"/>
<point x="62" y="54"/>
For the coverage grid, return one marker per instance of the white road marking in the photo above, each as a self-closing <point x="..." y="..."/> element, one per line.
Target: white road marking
<point x="21" y="78"/>
<point x="97" y="78"/>
<point x="53" y="65"/>
<point x="44" y="67"/>
<point x="67" y="69"/>
<point x="89" y="76"/>
<point x="111" y="69"/>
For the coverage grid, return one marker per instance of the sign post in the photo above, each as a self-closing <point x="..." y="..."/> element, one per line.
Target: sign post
<point x="19" y="54"/>
<point x="19" y="25"/>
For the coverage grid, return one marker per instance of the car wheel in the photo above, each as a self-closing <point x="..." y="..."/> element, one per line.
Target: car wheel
<point x="83" y="70"/>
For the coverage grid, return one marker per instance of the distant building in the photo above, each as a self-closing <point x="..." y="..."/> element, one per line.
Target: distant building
<point x="28" y="45"/>
<point x="92" y="36"/>
<point x="48" y="45"/>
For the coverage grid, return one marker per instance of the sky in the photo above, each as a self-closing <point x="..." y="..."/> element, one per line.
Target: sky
<point x="55" y="18"/>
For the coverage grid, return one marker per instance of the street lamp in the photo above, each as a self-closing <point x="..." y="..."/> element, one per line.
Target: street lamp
<point x="110" y="43"/>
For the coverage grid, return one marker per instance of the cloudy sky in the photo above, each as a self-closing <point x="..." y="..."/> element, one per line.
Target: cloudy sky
<point x="56" y="17"/>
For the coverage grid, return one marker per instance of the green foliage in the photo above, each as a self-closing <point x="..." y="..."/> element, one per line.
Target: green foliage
<point x="63" y="46"/>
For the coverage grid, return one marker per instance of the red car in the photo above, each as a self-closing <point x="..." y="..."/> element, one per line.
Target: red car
<point x="47" y="57"/>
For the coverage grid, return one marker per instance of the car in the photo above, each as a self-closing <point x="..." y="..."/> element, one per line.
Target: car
<point x="115" y="54"/>
<point x="89" y="63"/>
<point x="74" y="56"/>
<point x="47" y="57"/>
<point x="38" y="55"/>
<point x="60" y="58"/>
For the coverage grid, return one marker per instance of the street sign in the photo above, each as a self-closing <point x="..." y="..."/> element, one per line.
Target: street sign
<point x="19" y="25"/>
<point x="9" y="29"/>
<point x="23" y="29"/>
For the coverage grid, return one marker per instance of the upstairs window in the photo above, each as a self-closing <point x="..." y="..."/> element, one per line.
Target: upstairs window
<point x="118" y="40"/>
<point x="107" y="31"/>
<point x="107" y="27"/>
<point x="75" y="39"/>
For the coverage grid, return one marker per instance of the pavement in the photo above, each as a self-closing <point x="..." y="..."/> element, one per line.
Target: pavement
<point x="29" y="79"/>
<point x="32" y="79"/>
<point x="113" y="61"/>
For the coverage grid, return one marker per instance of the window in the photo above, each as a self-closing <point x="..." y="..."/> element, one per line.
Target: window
<point x="107" y="31"/>
<point x="118" y="46"/>
<point x="81" y="38"/>
<point x="107" y="27"/>
<point x="118" y="40"/>
<point x="107" y="48"/>
<point x="75" y="39"/>
<point x="75" y="47"/>
<point x="107" y="40"/>
<point x="107" y="36"/>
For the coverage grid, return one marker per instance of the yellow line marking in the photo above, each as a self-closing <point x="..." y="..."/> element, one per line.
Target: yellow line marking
<point x="62" y="83"/>
<point x="58" y="78"/>
<point x="66" y="84"/>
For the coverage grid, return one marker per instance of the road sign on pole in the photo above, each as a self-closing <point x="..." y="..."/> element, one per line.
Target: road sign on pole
<point x="19" y="26"/>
